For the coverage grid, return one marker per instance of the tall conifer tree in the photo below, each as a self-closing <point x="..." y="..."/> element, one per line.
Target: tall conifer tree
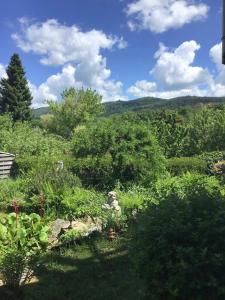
<point x="15" y="96"/>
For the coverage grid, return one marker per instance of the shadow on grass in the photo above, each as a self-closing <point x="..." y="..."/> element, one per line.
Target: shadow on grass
<point x="97" y="270"/>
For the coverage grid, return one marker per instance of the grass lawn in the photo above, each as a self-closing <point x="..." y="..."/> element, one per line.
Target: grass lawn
<point x="97" y="269"/>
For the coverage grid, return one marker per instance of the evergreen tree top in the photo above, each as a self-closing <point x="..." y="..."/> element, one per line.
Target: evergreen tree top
<point x="15" y="96"/>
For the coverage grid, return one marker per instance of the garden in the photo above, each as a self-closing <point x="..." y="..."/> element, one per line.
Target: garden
<point x="129" y="206"/>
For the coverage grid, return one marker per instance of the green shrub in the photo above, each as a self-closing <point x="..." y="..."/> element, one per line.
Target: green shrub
<point x="133" y="198"/>
<point x="70" y="236"/>
<point x="80" y="202"/>
<point x="10" y="189"/>
<point x="179" y="243"/>
<point x="180" y="165"/>
<point x="112" y="220"/>
<point x="46" y="171"/>
<point x="114" y="150"/>
<point x="12" y="265"/>
<point x="22" y="239"/>
<point x="77" y="107"/>
<point x="188" y="186"/>
<point x="22" y="140"/>
<point x="211" y="157"/>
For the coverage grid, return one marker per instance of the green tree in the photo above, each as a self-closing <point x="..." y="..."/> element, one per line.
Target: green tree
<point x="117" y="149"/>
<point x="205" y="131"/>
<point x="77" y="107"/>
<point x="15" y="96"/>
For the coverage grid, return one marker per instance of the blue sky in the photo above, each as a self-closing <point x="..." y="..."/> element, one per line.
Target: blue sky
<point x="123" y="49"/>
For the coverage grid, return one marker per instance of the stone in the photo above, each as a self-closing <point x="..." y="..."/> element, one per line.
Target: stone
<point x="57" y="226"/>
<point x="79" y="226"/>
<point x="85" y="226"/>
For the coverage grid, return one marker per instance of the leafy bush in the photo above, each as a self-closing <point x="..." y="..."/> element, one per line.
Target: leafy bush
<point x="180" y="165"/>
<point x="29" y="144"/>
<point x="112" y="220"/>
<point x="22" y="239"/>
<point x="22" y="140"/>
<point x="47" y="171"/>
<point x="133" y="198"/>
<point x="12" y="265"/>
<point x="211" y="157"/>
<point x="10" y="189"/>
<point x="117" y="150"/>
<point x="179" y="243"/>
<point x="70" y="236"/>
<point x="77" y="107"/>
<point x="80" y="202"/>
<point x="188" y="186"/>
<point x="49" y="180"/>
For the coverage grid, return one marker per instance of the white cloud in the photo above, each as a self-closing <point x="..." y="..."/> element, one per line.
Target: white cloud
<point x="53" y="86"/>
<point x="142" y="88"/>
<point x="175" y="75"/>
<point x="161" y="15"/>
<point x="79" y="54"/>
<point x="218" y="83"/>
<point x="174" y="68"/>
<point x="2" y="71"/>
<point x="216" y="54"/>
<point x="137" y="91"/>
<point x="58" y="44"/>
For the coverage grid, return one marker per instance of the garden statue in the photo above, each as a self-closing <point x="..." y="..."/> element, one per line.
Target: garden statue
<point x="60" y="165"/>
<point x="112" y="203"/>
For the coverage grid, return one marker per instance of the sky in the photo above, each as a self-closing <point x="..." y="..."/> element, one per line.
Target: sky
<point x="122" y="49"/>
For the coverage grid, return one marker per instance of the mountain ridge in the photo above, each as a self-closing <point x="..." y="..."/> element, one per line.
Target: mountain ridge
<point x="151" y="103"/>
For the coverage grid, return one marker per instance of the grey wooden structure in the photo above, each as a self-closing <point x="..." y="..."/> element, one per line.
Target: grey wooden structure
<point x="6" y="162"/>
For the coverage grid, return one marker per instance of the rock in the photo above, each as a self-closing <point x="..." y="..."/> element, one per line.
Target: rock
<point x="87" y="225"/>
<point x="84" y="226"/>
<point x="79" y="226"/>
<point x="57" y="226"/>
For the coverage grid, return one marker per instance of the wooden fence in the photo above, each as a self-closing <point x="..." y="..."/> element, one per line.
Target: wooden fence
<point x="6" y="161"/>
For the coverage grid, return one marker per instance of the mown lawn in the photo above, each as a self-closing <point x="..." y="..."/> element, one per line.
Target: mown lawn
<point x="97" y="269"/>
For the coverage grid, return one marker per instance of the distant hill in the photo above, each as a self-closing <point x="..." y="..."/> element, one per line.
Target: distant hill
<point x="118" y="107"/>
<point x="38" y="112"/>
<point x="158" y="103"/>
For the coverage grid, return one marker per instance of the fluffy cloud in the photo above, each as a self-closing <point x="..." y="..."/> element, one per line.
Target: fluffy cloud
<point x="59" y="44"/>
<point x="141" y="91"/>
<point x="176" y="76"/>
<point x="216" y="54"/>
<point x="142" y="88"/>
<point x="53" y="86"/>
<point x="174" y="68"/>
<point x="218" y="83"/>
<point x="161" y="15"/>
<point x="79" y="54"/>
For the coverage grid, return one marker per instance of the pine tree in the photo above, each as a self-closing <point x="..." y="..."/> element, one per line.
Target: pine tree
<point x="15" y="96"/>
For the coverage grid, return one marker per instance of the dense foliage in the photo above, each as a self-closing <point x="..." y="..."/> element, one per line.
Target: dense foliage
<point x="167" y="167"/>
<point x="22" y="239"/>
<point x="179" y="242"/>
<point x="117" y="150"/>
<point x="23" y="140"/>
<point x="76" y="108"/>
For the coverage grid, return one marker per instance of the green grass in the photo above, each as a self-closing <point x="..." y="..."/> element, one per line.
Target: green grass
<point x="98" y="269"/>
